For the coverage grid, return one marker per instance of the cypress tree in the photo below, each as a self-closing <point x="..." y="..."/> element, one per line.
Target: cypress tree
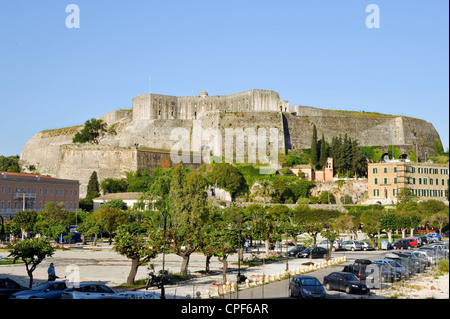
<point x="323" y="152"/>
<point x="314" y="150"/>
<point x="93" y="189"/>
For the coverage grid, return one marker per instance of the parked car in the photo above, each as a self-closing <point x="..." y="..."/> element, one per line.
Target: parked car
<point x="402" y="243"/>
<point x="306" y="287"/>
<point x="414" y="264"/>
<point x="138" y="295"/>
<point x="433" y="237"/>
<point x="412" y="241"/>
<point x="420" y="255"/>
<point x="366" y="245"/>
<point x="345" y="281"/>
<point x="89" y="290"/>
<point x="379" y="273"/>
<point x="47" y="290"/>
<point x="9" y="287"/>
<point x="358" y="268"/>
<point x="326" y="244"/>
<point x="351" y="245"/>
<point x="404" y="272"/>
<point x="294" y="251"/>
<point x="424" y="239"/>
<point x="317" y="252"/>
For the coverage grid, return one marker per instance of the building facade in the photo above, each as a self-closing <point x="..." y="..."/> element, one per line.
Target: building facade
<point x="22" y="191"/>
<point x="323" y="176"/>
<point x="426" y="180"/>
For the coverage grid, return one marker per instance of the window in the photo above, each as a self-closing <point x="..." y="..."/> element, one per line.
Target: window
<point x="395" y="169"/>
<point x="395" y="180"/>
<point x="385" y="169"/>
<point x="3" y="189"/>
<point x="376" y="181"/>
<point x="420" y="180"/>
<point x="385" y="180"/>
<point x="375" y="170"/>
<point x="431" y="181"/>
<point x="414" y="180"/>
<point x="376" y="192"/>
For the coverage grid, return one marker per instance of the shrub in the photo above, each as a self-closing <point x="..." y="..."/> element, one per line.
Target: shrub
<point x="443" y="265"/>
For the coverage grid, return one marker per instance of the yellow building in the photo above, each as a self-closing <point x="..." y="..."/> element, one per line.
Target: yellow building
<point x="426" y="180"/>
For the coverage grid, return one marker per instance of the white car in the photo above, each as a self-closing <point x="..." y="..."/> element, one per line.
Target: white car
<point x="138" y="295"/>
<point x="90" y="291"/>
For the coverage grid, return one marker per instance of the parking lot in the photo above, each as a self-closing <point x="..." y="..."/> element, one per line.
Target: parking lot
<point x="101" y="264"/>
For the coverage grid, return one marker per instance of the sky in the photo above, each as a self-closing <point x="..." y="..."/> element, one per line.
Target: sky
<point x="316" y="53"/>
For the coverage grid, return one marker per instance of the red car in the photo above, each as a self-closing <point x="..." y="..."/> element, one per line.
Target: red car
<point x="412" y="241"/>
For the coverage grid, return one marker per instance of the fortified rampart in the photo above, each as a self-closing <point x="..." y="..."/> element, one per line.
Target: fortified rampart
<point x="158" y="122"/>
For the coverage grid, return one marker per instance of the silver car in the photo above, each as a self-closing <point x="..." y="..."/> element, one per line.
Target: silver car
<point x="366" y="245"/>
<point x="138" y="295"/>
<point x="326" y="244"/>
<point x="351" y="245"/>
<point x="91" y="291"/>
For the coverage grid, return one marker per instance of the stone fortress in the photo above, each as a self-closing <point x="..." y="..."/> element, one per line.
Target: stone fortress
<point x="143" y="137"/>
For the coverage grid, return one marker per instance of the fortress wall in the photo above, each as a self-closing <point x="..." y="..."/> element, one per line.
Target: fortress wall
<point x="42" y="150"/>
<point x="79" y="161"/>
<point x="252" y="120"/>
<point x="192" y="107"/>
<point x="402" y="131"/>
<point x="116" y="116"/>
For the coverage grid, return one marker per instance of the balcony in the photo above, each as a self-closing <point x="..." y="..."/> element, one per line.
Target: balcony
<point x="24" y="195"/>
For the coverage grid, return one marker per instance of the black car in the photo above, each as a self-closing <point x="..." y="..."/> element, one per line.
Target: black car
<point x="401" y="244"/>
<point x="9" y="286"/>
<point x="345" y="281"/>
<point x="306" y="287"/>
<point x="317" y="252"/>
<point x="294" y="251"/>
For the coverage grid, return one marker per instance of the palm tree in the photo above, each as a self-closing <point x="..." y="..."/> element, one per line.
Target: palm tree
<point x="266" y="187"/>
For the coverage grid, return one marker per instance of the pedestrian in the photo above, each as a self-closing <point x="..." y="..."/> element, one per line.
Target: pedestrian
<point x="51" y="273"/>
<point x="246" y="246"/>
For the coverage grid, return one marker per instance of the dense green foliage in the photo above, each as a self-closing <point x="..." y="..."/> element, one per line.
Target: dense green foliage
<point x="9" y="163"/>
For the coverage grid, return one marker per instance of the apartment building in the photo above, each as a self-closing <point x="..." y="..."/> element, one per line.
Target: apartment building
<point x="426" y="180"/>
<point x="22" y="191"/>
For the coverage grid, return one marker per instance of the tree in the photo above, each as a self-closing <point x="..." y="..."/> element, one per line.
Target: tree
<point x="190" y="211"/>
<point x="54" y="221"/>
<point x="32" y="252"/>
<point x="114" y="185"/>
<point x="326" y="197"/>
<point x="440" y="219"/>
<point x="116" y="203"/>
<point x="323" y="153"/>
<point x="93" y="189"/>
<point x="25" y="220"/>
<point x="371" y="224"/>
<point x="110" y="219"/>
<point x="389" y="221"/>
<point x="314" y="150"/>
<point x="266" y="187"/>
<point x="9" y="163"/>
<point x="228" y="177"/>
<point x="134" y="246"/>
<point x="94" y="131"/>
